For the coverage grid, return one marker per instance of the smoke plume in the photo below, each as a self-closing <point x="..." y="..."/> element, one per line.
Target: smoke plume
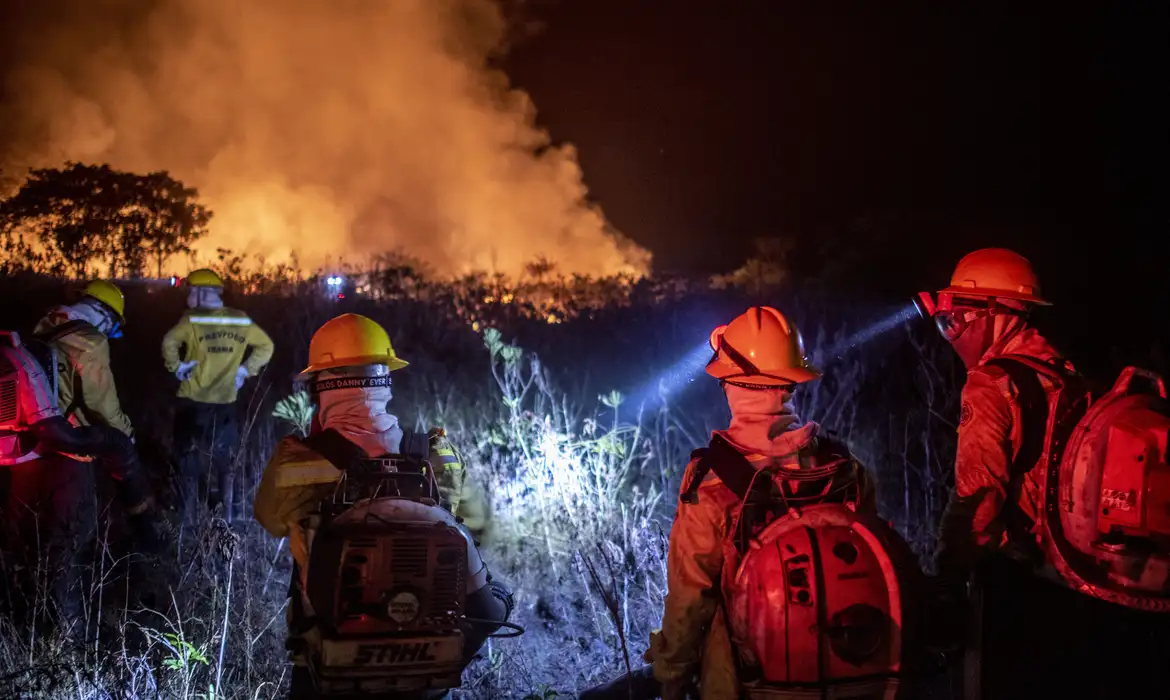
<point x="329" y="128"/>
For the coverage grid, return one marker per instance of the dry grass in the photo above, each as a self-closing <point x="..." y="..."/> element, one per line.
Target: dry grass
<point x="582" y="480"/>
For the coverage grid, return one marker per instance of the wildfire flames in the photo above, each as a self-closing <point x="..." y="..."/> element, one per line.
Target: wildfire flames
<point x="328" y="130"/>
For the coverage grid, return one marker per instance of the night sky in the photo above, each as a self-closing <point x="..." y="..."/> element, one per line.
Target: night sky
<point x="703" y="123"/>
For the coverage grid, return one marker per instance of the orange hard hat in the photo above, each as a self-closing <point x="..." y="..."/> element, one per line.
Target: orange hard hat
<point x="351" y="340"/>
<point x="760" y="347"/>
<point x="996" y="272"/>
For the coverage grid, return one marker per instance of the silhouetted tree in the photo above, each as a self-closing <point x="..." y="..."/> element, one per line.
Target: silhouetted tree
<point x="540" y="268"/>
<point x="765" y="271"/>
<point x="85" y="214"/>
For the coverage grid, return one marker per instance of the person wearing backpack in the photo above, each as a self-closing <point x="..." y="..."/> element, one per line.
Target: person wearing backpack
<point x="51" y="502"/>
<point x="206" y="351"/>
<point x="985" y="315"/>
<point x="81" y="334"/>
<point x="1007" y="546"/>
<point x="350" y="364"/>
<point x="765" y="467"/>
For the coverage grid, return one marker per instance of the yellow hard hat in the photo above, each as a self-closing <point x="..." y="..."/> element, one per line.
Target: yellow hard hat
<point x="760" y="347"/>
<point x="351" y="340"/>
<point x="204" y="278"/>
<point x="996" y="272"/>
<point x="108" y="294"/>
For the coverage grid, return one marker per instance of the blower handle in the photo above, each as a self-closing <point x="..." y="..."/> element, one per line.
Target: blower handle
<point x="1124" y="382"/>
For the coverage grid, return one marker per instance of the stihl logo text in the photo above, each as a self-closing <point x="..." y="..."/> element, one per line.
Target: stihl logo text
<point x="409" y="652"/>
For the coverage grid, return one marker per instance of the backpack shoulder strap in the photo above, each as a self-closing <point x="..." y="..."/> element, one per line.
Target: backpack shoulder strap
<point x="415" y="445"/>
<point x="1032" y="399"/>
<point x="341" y="453"/>
<point x="728" y="463"/>
<point x="690" y="493"/>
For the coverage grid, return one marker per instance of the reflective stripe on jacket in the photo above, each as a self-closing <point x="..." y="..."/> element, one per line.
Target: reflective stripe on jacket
<point x="217" y="339"/>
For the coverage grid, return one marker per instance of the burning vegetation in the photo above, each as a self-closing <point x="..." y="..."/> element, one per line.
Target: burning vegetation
<point x="310" y="130"/>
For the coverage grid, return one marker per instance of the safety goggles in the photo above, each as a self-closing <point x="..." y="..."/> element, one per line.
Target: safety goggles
<point x="356" y="377"/>
<point x="332" y="383"/>
<point x="951" y="324"/>
<point x="953" y="316"/>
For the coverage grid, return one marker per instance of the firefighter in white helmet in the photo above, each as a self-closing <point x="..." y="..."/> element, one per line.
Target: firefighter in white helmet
<point x="350" y="364"/>
<point x="759" y="359"/>
<point x="208" y="352"/>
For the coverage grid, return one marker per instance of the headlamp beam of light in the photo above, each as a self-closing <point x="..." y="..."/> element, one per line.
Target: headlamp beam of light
<point x="672" y="379"/>
<point x="334" y="281"/>
<point x="875" y="329"/>
<point x="924" y="305"/>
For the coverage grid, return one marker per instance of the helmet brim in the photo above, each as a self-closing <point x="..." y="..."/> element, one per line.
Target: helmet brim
<point x="392" y="362"/>
<point x="793" y="375"/>
<point x="997" y="293"/>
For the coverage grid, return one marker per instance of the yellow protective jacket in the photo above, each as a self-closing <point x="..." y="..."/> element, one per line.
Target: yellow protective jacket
<point x="86" y="394"/>
<point x="694" y="639"/>
<point x="297" y="479"/>
<point x="989" y="438"/>
<point x="217" y="340"/>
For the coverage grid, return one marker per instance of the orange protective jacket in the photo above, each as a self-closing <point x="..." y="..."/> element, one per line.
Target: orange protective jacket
<point x="694" y="638"/>
<point x="989" y="438"/>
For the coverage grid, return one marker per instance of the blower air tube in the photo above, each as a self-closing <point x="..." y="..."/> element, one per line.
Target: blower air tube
<point x="110" y="447"/>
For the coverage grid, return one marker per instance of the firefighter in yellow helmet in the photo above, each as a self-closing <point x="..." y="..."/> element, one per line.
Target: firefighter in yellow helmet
<point x="80" y="334"/>
<point x="208" y="351"/>
<point x="353" y="345"/>
<point x="759" y="359"/>
<point x="350" y="364"/>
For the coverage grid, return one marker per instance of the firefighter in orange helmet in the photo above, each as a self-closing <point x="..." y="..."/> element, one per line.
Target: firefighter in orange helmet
<point x="990" y="537"/>
<point x="759" y="359"/>
<point x="984" y="315"/>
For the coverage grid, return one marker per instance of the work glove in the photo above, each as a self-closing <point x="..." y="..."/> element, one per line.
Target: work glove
<point x="241" y="376"/>
<point x="185" y="369"/>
